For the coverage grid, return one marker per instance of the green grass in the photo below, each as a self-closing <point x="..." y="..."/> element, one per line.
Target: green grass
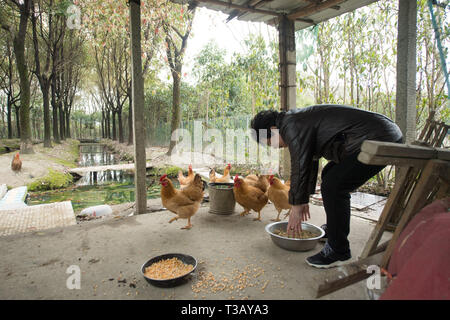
<point x="71" y="160"/>
<point x="74" y="148"/>
<point x="66" y="163"/>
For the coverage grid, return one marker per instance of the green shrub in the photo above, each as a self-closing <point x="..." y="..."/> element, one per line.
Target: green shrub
<point x="171" y="171"/>
<point x="53" y="180"/>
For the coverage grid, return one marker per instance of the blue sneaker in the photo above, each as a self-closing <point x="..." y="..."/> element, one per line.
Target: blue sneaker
<point x="327" y="258"/>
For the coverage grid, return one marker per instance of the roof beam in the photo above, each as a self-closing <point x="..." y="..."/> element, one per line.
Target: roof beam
<point x="319" y="1"/>
<point x="313" y="8"/>
<point x="250" y="3"/>
<point x="275" y="21"/>
<point x="245" y="8"/>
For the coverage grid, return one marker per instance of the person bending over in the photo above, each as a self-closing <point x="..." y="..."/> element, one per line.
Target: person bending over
<point x="336" y="133"/>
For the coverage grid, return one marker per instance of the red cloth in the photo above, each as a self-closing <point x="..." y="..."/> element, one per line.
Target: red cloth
<point x="420" y="261"/>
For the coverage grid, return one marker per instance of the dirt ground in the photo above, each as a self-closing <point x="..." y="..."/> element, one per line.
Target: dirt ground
<point x="36" y="165"/>
<point x="236" y="259"/>
<point x="126" y="152"/>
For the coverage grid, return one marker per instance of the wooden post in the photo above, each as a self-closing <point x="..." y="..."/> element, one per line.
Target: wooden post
<point x="286" y="30"/>
<point x="138" y="107"/>
<point x="405" y="115"/>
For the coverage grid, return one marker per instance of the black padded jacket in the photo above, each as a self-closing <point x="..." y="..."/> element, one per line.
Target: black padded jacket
<point x="329" y="131"/>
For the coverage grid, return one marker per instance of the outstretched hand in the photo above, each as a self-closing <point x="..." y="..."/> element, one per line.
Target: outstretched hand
<point x="297" y="214"/>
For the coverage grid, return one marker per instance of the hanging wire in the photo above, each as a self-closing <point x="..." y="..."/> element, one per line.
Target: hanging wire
<point x="439" y="45"/>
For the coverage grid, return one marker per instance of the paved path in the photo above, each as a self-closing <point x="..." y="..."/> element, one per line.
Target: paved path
<point x="35" y="218"/>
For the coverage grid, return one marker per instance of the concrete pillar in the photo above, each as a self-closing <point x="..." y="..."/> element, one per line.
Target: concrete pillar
<point x="286" y="31"/>
<point x="137" y="84"/>
<point x="405" y="115"/>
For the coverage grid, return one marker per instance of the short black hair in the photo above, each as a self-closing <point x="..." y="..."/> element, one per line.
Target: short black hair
<point x="264" y="120"/>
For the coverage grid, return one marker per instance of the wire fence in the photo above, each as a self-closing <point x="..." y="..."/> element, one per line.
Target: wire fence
<point x="161" y="134"/>
<point x="228" y="139"/>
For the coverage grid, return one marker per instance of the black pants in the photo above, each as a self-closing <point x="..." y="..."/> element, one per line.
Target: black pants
<point x="338" y="180"/>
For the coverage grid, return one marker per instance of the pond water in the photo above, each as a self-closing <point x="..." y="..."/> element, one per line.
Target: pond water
<point x="104" y="187"/>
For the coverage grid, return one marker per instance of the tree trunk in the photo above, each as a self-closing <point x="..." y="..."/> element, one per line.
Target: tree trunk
<point x="108" y="124"/>
<point x="130" y="118"/>
<point x="36" y="132"/>
<point x="61" y="121"/>
<point x="8" y="117"/>
<point x="114" y="133"/>
<point x="17" y="114"/>
<point x="119" y="119"/>
<point x="67" y="127"/>
<point x="55" y="113"/>
<point x="176" y="116"/>
<point x="103" y="124"/>
<point x="26" y="145"/>
<point x="46" y="103"/>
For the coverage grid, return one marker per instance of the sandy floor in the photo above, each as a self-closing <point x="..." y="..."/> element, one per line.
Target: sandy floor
<point x="34" y="165"/>
<point x="234" y="253"/>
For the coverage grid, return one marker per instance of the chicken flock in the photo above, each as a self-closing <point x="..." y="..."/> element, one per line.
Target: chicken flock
<point x="252" y="192"/>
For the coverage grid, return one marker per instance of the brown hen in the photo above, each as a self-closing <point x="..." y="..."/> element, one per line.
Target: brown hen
<point x="16" y="164"/>
<point x="184" y="203"/>
<point x="249" y="197"/>
<point x="279" y="195"/>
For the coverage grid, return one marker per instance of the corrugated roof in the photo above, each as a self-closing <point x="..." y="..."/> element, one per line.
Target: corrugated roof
<point x="305" y="12"/>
